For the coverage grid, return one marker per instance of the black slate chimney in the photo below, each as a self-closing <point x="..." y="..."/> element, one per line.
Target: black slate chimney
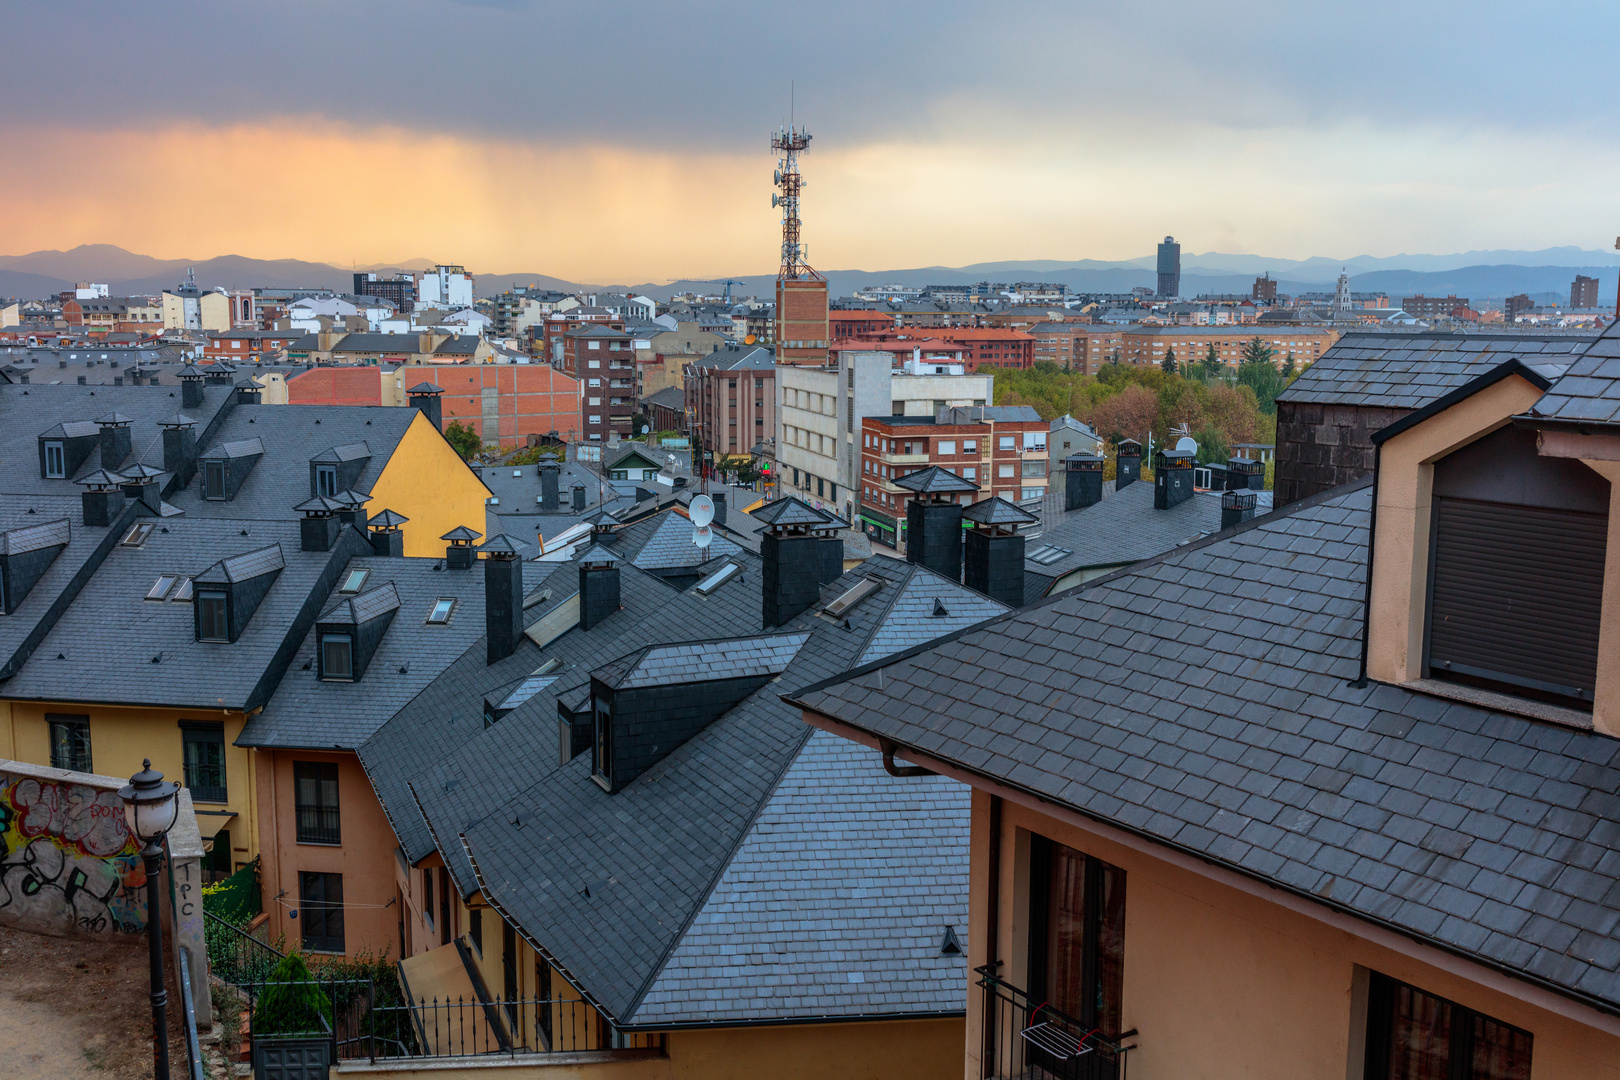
<point x="1237" y="507"/>
<point x="1245" y="474"/>
<point x="1082" y="481"/>
<point x="719" y="500"/>
<point x="549" y="476"/>
<point x="993" y="559"/>
<point x="115" y="442"/>
<point x="579" y="497"/>
<point x="791" y="551"/>
<point x="1172" y="478"/>
<point x="503" y="596"/>
<point x="191" y="386"/>
<point x="180" y="447"/>
<point x="425" y="396"/>
<point x="352" y="507"/>
<point x="318" y="529"/>
<point x="386" y="539"/>
<point x="934" y="519"/>
<point x="1127" y="464"/>
<point x="141" y="483"/>
<point x="247" y="392"/>
<point x="459" y="555"/>
<point x="103" y="497"/>
<point x="598" y="585"/>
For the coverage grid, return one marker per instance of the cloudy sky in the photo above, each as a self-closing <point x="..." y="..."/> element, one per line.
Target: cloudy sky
<point x="630" y="140"/>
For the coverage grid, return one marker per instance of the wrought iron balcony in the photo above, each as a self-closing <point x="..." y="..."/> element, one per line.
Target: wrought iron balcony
<point x="1024" y="1038"/>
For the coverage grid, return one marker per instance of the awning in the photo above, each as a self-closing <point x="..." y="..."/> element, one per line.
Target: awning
<point x="209" y="822"/>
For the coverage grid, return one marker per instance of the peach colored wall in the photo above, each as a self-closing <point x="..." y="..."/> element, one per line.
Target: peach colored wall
<point x="1221" y="983"/>
<point x="876" y="1050"/>
<point x="365" y="858"/>
<point x="1606" y="694"/>
<point x="1405" y="496"/>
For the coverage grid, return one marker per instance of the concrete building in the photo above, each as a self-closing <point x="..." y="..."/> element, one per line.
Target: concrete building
<point x="1432" y="307"/>
<point x="660" y="365"/>
<point x="1169" y="269"/>
<point x="1139" y="344"/>
<point x="1264" y="290"/>
<point x="1583" y="292"/>
<point x="133" y="314"/>
<point x="1514" y="306"/>
<point x="731" y="400"/>
<point x="399" y="290"/>
<point x="444" y="287"/>
<point x="188" y="307"/>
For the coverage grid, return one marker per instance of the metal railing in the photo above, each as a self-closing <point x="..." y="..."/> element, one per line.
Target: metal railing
<point x="236" y="956"/>
<point x="319" y="825"/>
<point x="1026" y="1038"/>
<point x="188" y="1007"/>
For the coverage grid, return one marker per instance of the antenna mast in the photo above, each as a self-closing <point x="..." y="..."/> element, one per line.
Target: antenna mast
<point x="790" y="142"/>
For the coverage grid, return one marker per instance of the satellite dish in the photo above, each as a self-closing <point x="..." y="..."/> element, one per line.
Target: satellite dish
<point x="701" y="536"/>
<point x="702" y="512"/>
<point x="1187" y="445"/>
<point x="749" y="340"/>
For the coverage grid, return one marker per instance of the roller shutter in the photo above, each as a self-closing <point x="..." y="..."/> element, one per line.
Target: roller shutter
<point x="1516" y="595"/>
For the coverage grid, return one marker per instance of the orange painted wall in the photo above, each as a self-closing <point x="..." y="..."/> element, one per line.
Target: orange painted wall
<point x="529" y="398"/>
<point x="336" y="386"/>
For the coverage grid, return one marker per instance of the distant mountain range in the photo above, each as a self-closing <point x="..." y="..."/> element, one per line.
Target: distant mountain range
<point x="1546" y="275"/>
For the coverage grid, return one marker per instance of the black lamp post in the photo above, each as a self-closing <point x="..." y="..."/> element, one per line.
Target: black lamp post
<point x="150" y="809"/>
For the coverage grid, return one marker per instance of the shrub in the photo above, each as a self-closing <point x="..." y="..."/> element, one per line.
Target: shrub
<point x="291" y="1003"/>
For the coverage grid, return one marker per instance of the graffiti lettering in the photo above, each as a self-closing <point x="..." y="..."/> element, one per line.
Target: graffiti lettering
<point x="67" y="861"/>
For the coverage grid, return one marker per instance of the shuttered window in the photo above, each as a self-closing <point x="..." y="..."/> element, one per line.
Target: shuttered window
<point x="1516" y="596"/>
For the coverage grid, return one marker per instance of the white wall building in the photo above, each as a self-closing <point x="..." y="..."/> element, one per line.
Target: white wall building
<point x="448" y="287"/>
<point x="88" y="290"/>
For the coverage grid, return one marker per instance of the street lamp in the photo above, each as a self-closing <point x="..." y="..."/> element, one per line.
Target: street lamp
<point x="150" y="809"/>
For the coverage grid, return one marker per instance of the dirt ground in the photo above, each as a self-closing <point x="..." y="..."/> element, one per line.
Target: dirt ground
<point x="80" y="1009"/>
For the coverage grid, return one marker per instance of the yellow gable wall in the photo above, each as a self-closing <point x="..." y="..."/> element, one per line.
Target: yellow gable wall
<point x="425" y="480"/>
<point x="122" y="737"/>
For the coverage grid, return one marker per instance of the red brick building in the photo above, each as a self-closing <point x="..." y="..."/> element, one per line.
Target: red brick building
<point x="994" y="347"/>
<point x="802" y="326"/>
<point x="603" y="361"/>
<point x="731" y="399"/>
<point x="849" y="324"/>
<point x="1002" y="449"/>
<point x="249" y="345"/>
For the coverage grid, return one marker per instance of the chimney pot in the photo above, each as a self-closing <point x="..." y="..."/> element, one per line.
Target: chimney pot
<point x="1127" y="464"/>
<point x="1237" y="507"/>
<point x="1172" y="478"/>
<point x="1082" y="481"/>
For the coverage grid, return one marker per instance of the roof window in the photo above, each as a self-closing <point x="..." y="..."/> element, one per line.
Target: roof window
<point x="1047" y="554"/>
<point x="160" y="588"/>
<point x="442" y="607"/>
<point x="717" y="579"/>
<point x="182" y="592"/>
<point x="137" y="534"/>
<point x="354" y="581"/>
<point x="853" y="595"/>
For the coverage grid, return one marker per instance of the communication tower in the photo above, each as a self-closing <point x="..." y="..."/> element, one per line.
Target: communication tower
<point x="789" y="142"/>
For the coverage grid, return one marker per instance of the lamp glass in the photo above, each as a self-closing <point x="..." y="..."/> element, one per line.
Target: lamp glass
<point x="154" y="819"/>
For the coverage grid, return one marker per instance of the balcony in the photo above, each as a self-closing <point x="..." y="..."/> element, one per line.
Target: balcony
<point x="318" y="825"/>
<point x="1026" y="1039"/>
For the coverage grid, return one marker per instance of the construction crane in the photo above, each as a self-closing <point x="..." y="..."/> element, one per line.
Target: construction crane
<point x="728" y="283"/>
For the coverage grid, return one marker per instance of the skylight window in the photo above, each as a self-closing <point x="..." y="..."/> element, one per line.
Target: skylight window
<point x="526" y="690"/>
<point x="137" y="534"/>
<point x="160" y="588"/>
<point x="182" y="592"/>
<point x="441" y="610"/>
<point x="1047" y="554"/>
<point x="354" y="580"/>
<point x="717" y="579"/>
<point x="852" y="596"/>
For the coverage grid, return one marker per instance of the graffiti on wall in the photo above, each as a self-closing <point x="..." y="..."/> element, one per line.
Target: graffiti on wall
<point x="68" y="864"/>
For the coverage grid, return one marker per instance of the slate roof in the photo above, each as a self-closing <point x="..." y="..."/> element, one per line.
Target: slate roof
<point x="33" y="520"/>
<point x="935" y="481"/>
<point x="700" y="661"/>
<point x="671" y="546"/>
<point x="1589" y="393"/>
<point x="1202" y="701"/>
<point x="1408" y="371"/>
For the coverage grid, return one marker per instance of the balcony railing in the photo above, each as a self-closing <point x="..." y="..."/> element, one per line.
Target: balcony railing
<point x="1026" y="1038"/>
<point x="319" y="825"/>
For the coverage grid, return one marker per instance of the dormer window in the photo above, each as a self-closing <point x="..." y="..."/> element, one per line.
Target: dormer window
<point x="337" y="657"/>
<point x="55" y="462"/>
<point x="212" y="623"/>
<point x="213" y="480"/>
<point x="326" y="480"/>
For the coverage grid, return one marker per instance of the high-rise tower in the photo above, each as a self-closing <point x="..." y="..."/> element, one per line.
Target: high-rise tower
<point x="1169" y="268"/>
<point x="801" y="293"/>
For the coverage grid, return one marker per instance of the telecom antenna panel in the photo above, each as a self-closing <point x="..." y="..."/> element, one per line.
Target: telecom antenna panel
<point x="789" y="142"/>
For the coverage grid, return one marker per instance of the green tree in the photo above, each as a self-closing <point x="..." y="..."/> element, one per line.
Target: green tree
<point x="1288" y="368"/>
<point x="1211" y="446"/>
<point x="1212" y="362"/>
<point x="291" y="1002"/>
<point x="1256" y="351"/>
<point x="1169" y="361"/>
<point x="463" y="439"/>
<point x="1265" y="380"/>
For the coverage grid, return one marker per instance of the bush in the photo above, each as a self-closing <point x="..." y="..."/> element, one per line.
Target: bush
<point x="463" y="439"/>
<point x="236" y="899"/>
<point x="291" y="1003"/>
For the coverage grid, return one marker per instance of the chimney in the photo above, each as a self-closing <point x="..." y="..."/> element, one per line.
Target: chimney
<point x="353" y="507"/>
<point x="425" y="396"/>
<point x="1245" y="474"/>
<point x="459" y="555"/>
<point x="598" y="585"/>
<point x="789" y="548"/>
<point x="386" y="539"/>
<point x="103" y="497"/>
<point x="993" y="562"/>
<point x="318" y="530"/>
<point x="1172" y="478"/>
<point x="579" y="497"/>
<point x="549" y="476"/>
<point x="719" y="500"/>
<point x="179" y="446"/>
<point x="115" y="443"/>
<point x="934" y="519"/>
<point x="1082" y="481"/>
<point x="82" y="380"/>
<point x="141" y="483"/>
<point x="1127" y="464"/>
<point x="247" y="392"/>
<point x="191" y="386"/>
<point x="503" y="596"/>
<point x="1236" y="507"/>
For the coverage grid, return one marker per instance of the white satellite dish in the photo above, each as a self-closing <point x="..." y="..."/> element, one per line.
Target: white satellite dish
<point x="1187" y="445"/>
<point x="702" y="535"/>
<point x="701" y="511"/>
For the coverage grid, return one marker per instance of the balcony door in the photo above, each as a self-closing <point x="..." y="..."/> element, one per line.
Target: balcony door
<point x="1077" y="938"/>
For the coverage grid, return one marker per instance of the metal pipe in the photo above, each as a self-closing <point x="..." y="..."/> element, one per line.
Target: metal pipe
<point x="892" y="769"/>
<point x="152" y="856"/>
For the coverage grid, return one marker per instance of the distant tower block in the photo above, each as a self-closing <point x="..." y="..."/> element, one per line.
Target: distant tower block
<point x="1169" y="268"/>
<point x="801" y="293"/>
<point x="1341" y="298"/>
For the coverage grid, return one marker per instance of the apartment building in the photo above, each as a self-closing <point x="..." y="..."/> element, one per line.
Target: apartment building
<point x="603" y="360"/>
<point x="248" y="345"/>
<point x="112" y="313"/>
<point x="1138" y="344"/>
<point x="1001" y="449"/>
<point x="662" y="363"/>
<point x="731" y="400"/>
<point x="1429" y="307"/>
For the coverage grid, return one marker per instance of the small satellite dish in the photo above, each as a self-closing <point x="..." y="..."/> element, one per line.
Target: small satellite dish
<point x="749" y="340"/>
<point x="701" y="511"/>
<point x="702" y="535"/>
<point x="1187" y="445"/>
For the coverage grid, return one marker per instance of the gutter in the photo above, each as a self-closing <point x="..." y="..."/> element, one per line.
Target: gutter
<point x="1360" y="682"/>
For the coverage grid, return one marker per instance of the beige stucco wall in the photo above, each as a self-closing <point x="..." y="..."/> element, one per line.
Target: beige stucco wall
<point x="1405" y="497"/>
<point x="876" y="1050"/>
<point x="1221" y="983"/>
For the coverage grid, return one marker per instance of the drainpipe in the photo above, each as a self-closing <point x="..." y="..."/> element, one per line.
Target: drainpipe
<point x="1372" y="545"/>
<point x="992" y="921"/>
<point x="892" y="769"/>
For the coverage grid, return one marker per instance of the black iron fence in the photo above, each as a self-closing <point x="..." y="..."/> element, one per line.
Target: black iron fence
<point x="236" y="956"/>
<point x="1026" y="1038"/>
<point x="188" y="1008"/>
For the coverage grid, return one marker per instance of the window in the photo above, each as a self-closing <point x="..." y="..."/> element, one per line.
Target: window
<point x="315" y="797"/>
<point x="70" y="742"/>
<point x="475" y="928"/>
<point x="326" y="480"/>
<point x="182" y="594"/>
<point x="212" y="624"/>
<point x="1005" y="442"/>
<point x="444" y="906"/>
<point x="1077" y="934"/>
<point x="320" y="896"/>
<point x="970" y="472"/>
<point x="1413" y="1035"/>
<point x="213" y="479"/>
<point x="970" y="446"/>
<point x="947" y="446"/>
<point x="1035" y="467"/>
<point x="597" y="345"/>
<point x="427" y="896"/>
<point x="137" y="534"/>
<point x="354" y="581"/>
<point x="55" y="464"/>
<point x="204" y="744"/>
<point x="602" y="746"/>
<point x="542" y="992"/>
<point x="1004" y="471"/>
<point x="160" y="588"/>
<point x="337" y="657"/>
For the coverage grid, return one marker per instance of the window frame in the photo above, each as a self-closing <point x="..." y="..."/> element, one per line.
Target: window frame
<point x="161" y="588"/>
<point x="1463" y="1024"/>
<point x="330" y="911"/>
<point x="1096" y="999"/>
<point x="205" y="601"/>
<point x="323" y="823"/>
<point x="323" y="659"/>
<point x="74" y="725"/>
<point x="349" y="590"/>
<point x="204" y="733"/>
<point x="57" y="469"/>
<point x="602" y="742"/>
<point x="213" y="480"/>
<point x="448" y="611"/>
